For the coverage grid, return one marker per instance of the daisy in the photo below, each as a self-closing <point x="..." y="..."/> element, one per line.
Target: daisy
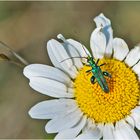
<point x="80" y="109"/>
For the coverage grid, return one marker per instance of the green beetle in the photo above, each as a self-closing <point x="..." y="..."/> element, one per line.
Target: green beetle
<point x="98" y="75"/>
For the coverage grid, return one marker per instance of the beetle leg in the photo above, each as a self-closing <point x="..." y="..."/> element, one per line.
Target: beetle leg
<point x="97" y="61"/>
<point x="105" y="73"/>
<point x="92" y="79"/>
<point x="87" y="64"/>
<point x="88" y="71"/>
<point x="102" y="64"/>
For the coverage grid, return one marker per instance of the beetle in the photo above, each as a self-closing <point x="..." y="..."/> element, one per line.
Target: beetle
<point x="98" y="74"/>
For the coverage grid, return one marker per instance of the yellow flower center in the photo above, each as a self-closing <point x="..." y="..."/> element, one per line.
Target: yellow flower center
<point x="123" y="96"/>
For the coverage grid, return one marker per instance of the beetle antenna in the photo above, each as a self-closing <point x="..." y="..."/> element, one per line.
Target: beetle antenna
<point x="84" y="49"/>
<point x="72" y="57"/>
<point x="97" y="61"/>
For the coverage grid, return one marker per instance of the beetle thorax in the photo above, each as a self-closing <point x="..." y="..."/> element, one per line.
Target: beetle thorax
<point x="91" y="62"/>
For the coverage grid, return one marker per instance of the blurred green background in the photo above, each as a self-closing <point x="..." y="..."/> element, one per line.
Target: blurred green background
<point x="26" y="27"/>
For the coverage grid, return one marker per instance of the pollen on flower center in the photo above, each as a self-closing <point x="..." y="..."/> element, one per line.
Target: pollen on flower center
<point x="123" y="96"/>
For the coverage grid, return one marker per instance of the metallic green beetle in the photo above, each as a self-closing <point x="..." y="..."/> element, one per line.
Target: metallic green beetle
<point x="98" y="75"/>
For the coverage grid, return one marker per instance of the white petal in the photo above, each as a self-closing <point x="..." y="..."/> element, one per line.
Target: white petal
<point x="49" y="87"/>
<point x="124" y="132"/>
<point x="82" y="50"/>
<point x="40" y="70"/>
<point x="120" y="49"/>
<point x="71" y="133"/>
<point x="130" y="121"/>
<point x="91" y="131"/>
<point x="52" y="108"/>
<point x="102" y="21"/>
<point x="86" y="136"/>
<point x="136" y="68"/>
<point x="57" y="54"/>
<point x="136" y="110"/>
<point x="98" y="43"/>
<point x="108" y="132"/>
<point x="101" y="128"/>
<point x="90" y="125"/>
<point x="53" y="59"/>
<point x="133" y="57"/>
<point x="93" y="134"/>
<point x="61" y="123"/>
<point x="135" y="113"/>
<point x="72" y="52"/>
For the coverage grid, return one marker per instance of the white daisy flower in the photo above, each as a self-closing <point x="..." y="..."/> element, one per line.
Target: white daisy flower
<point x="82" y="110"/>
